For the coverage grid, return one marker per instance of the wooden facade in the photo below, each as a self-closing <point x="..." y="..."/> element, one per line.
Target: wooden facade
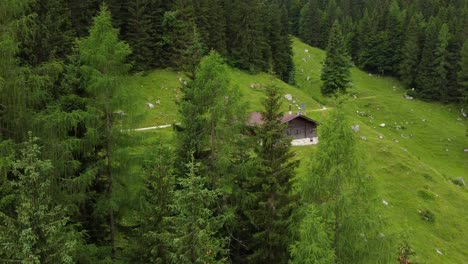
<point x="298" y="126"/>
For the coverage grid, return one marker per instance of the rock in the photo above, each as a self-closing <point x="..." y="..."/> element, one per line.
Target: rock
<point x="395" y="140"/>
<point x="403" y="136"/>
<point x="304" y="60"/>
<point x="306" y="51"/>
<point x="185" y="83"/>
<point x="380" y="137"/>
<point x="409" y="97"/>
<point x="370" y="74"/>
<point x="308" y="78"/>
<point x="363" y="138"/>
<point x="384" y="202"/>
<point x="424" y="119"/>
<point x="158" y="102"/>
<point x="465" y="150"/>
<point x="461" y="181"/>
<point x="288" y="97"/>
<point x="382" y="125"/>
<point x="355" y="128"/>
<point x="150" y="105"/>
<point x="438" y="251"/>
<point x="252" y="85"/>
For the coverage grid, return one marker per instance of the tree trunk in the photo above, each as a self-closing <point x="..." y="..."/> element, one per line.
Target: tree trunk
<point x="109" y="178"/>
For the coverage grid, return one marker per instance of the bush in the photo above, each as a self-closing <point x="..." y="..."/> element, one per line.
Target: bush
<point x="427" y="215"/>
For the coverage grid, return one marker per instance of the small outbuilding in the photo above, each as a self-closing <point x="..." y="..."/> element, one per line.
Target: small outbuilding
<point x="302" y="129"/>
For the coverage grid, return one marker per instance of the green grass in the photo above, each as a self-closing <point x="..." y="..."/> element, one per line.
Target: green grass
<point x="413" y="158"/>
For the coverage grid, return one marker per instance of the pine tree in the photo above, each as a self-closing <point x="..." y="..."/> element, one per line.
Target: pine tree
<point x="280" y="42"/>
<point x="431" y="76"/>
<point x="411" y="51"/>
<point x="309" y="24"/>
<point x="394" y="28"/>
<point x="103" y="57"/>
<point x="343" y="195"/>
<point x="39" y="232"/>
<point x="314" y="244"/>
<point x="139" y="32"/>
<point x="246" y="40"/>
<point x="211" y="23"/>
<point x="335" y="73"/>
<point x="194" y="227"/>
<point x="147" y="244"/>
<point x="50" y="34"/>
<point x="463" y="73"/>
<point x="272" y="185"/>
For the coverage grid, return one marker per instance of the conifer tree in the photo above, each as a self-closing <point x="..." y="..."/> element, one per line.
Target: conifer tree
<point x="246" y="40"/>
<point x="463" y="73"/>
<point x="309" y="24"/>
<point x="314" y="245"/>
<point x="431" y="76"/>
<point x="211" y="23"/>
<point x="394" y="28"/>
<point x="411" y="51"/>
<point x="194" y="227"/>
<point x="103" y="58"/>
<point x="40" y="231"/>
<point x="280" y="42"/>
<point x="147" y="243"/>
<point x="273" y="206"/>
<point x="139" y="30"/>
<point x="343" y="195"/>
<point x="335" y="73"/>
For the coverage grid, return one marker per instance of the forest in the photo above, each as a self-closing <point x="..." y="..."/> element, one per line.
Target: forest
<point x="79" y="185"/>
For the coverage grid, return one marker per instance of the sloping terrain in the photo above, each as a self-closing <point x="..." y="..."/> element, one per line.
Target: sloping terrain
<point x="413" y="149"/>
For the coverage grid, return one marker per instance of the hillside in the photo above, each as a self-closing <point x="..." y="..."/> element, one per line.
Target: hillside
<point x="413" y="158"/>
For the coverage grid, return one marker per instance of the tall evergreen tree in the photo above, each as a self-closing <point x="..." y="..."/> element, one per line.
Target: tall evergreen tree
<point x="335" y="73"/>
<point x="344" y="196"/>
<point x="463" y="74"/>
<point x="309" y="24"/>
<point x="211" y="23"/>
<point x="431" y="76"/>
<point x="314" y="245"/>
<point x="272" y="185"/>
<point x="103" y="58"/>
<point x="394" y="28"/>
<point x="139" y="32"/>
<point x="411" y="51"/>
<point x="40" y="230"/>
<point x="194" y="227"/>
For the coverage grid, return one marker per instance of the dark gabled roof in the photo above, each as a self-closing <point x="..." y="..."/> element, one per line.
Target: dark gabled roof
<point x="256" y="118"/>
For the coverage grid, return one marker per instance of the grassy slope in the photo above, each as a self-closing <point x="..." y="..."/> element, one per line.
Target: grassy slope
<point x="421" y="150"/>
<point x="413" y="157"/>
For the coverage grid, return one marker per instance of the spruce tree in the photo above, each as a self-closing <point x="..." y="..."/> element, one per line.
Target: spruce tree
<point x="314" y="244"/>
<point x="309" y="24"/>
<point x="193" y="235"/>
<point x="39" y="232"/>
<point x="336" y="71"/>
<point x="344" y="195"/>
<point x="411" y="51"/>
<point x="103" y="58"/>
<point x="139" y="30"/>
<point x="147" y="243"/>
<point x="394" y="28"/>
<point x="274" y="204"/>
<point x="431" y="76"/>
<point x="463" y="73"/>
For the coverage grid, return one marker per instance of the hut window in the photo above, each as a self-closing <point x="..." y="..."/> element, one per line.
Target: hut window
<point x="297" y="131"/>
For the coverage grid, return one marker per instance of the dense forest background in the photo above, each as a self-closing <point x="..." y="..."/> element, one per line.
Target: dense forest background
<point x="217" y="196"/>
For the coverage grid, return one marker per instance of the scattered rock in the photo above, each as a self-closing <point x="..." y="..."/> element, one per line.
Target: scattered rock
<point x="288" y="97"/>
<point x="396" y="140"/>
<point x="382" y="125"/>
<point x="459" y="181"/>
<point x="304" y="60"/>
<point x="306" y="51"/>
<point x="465" y="150"/>
<point x="363" y="138"/>
<point x="355" y="128"/>
<point x="408" y="97"/>
<point x="158" y="102"/>
<point x="384" y="202"/>
<point x="438" y="251"/>
<point x="150" y="105"/>
<point x="370" y="74"/>
<point x="380" y="137"/>
<point x="308" y="78"/>
<point x="403" y="136"/>
<point x="424" y="119"/>
<point x="185" y="83"/>
<point x="446" y="149"/>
